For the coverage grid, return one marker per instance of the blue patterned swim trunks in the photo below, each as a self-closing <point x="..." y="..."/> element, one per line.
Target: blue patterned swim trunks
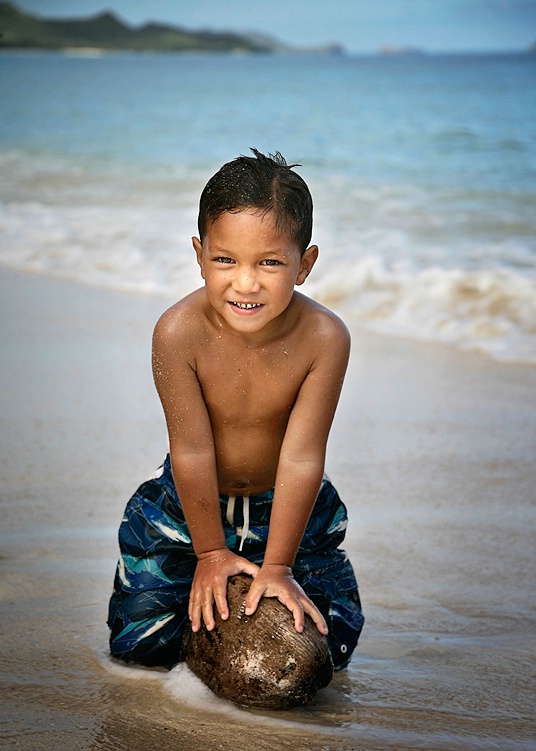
<point x="149" y="606"/>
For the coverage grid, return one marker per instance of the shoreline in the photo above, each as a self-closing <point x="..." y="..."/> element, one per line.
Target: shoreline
<point x="433" y="451"/>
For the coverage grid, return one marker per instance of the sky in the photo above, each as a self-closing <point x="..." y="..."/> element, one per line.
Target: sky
<point x="360" y="26"/>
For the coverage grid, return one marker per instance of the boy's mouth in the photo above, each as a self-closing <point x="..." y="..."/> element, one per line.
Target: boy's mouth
<point x="246" y="305"/>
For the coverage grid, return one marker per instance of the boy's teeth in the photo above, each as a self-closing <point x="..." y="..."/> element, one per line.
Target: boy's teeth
<point x="247" y="305"/>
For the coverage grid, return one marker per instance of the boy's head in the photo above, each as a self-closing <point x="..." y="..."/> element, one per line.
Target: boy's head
<point x="266" y="183"/>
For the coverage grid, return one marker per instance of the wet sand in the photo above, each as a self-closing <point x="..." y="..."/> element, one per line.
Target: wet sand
<point x="434" y="452"/>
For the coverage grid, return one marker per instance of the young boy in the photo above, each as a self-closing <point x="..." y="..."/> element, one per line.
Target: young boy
<point x="249" y="374"/>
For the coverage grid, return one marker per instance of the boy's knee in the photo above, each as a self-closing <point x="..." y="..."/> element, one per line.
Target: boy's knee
<point x="143" y="646"/>
<point x="149" y="655"/>
<point x="143" y="637"/>
<point x="345" y="621"/>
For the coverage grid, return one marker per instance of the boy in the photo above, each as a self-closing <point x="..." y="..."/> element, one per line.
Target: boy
<point x="249" y="374"/>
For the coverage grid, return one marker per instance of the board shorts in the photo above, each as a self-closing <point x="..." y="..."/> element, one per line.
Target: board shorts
<point x="148" y="610"/>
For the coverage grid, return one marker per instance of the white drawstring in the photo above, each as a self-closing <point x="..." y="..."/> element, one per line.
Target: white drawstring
<point x="230" y="509"/>
<point x="230" y="516"/>
<point x="245" y="528"/>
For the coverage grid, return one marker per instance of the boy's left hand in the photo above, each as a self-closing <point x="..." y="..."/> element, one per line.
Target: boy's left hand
<point x="274" y="580"/>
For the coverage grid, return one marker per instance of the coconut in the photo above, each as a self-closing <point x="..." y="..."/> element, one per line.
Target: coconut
<point x="259" y="660"/>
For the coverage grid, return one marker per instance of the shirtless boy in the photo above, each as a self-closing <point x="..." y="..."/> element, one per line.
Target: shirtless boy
<point x="249" y="373"/>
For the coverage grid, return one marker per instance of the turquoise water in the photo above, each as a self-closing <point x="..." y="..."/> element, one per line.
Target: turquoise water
<point x="422" y="168"/>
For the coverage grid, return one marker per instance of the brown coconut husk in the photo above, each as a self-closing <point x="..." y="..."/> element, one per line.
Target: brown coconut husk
<point x="259" y="660"/>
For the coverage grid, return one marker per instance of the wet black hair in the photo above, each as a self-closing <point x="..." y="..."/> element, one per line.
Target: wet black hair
<point x="266" y="183"/>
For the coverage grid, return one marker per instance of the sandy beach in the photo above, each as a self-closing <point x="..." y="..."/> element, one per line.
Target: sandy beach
<point x="433" y="451"/>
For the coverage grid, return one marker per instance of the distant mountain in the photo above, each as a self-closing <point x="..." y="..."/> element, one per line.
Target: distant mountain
<point x="105" y="31"/>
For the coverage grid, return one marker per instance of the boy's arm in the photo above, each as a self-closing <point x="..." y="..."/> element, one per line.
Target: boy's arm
<point x="193" y="463"/>
<point x="299" y="475"/>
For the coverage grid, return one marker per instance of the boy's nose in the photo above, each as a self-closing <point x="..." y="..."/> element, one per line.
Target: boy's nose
<point x="245" y="281"/>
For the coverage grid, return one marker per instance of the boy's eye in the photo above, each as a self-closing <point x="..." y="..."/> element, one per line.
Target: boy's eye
<point x="223" y="259"/>
<point x="271" y="262"/>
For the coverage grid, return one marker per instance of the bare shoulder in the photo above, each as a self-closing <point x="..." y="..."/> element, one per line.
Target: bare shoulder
<point x="181" y="323"/>
<point x="176" y="335"/>
<point x="320" y="327"/>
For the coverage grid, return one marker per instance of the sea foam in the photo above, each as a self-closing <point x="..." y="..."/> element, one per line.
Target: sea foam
<point x="492" y="309"/>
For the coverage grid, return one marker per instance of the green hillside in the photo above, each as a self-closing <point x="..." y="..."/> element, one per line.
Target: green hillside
<point x="20" y="30"/>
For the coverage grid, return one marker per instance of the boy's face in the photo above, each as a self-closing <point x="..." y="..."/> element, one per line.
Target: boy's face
<point x="250" y="269"/>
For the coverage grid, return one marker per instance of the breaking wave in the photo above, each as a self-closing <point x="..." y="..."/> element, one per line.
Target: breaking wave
<point x="149" y="252"/>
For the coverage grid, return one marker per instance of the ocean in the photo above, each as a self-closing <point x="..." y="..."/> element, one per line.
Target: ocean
<point x="422" y="170"/>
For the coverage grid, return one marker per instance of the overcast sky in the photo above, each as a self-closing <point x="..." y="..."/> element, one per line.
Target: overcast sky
<point x="359" y="25"/>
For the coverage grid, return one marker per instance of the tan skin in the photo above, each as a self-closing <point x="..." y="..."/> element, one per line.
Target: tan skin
<point x="249" y="373"/>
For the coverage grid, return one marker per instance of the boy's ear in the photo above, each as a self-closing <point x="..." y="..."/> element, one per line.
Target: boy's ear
<point x="196" y="242"/>
<point x="308" y="260"/>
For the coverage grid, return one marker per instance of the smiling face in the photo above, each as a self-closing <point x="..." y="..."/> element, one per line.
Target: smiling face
<point x="250" y="269"/>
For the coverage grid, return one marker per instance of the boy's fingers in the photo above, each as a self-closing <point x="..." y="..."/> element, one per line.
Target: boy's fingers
<point x="295" y="607"/>
<point x="250" y="568"/>
<point x="221" y="602"/>
<point x="253" y="598"/>
<point x="194" y="613"/>
<point x="208" y="615"/>
<point x="317" y="617"/>
<point x="251" y="605"/>
<point x="200" y="608"/>
<point x="297" y="611"/>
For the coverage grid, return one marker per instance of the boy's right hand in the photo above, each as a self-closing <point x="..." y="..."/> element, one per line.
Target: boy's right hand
<point x="209" y="585"/>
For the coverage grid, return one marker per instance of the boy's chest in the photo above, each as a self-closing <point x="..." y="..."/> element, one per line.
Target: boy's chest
<point x="250" y="387"/>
